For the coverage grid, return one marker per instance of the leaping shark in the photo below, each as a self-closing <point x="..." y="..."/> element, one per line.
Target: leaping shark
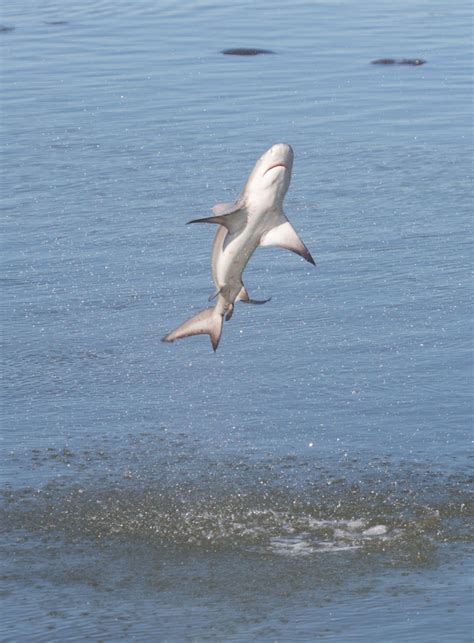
<point x="255" y="219"/>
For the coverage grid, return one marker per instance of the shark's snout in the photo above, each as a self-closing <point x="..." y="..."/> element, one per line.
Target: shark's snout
<point x="281" y="148"/>
<point x="279" y="155"/>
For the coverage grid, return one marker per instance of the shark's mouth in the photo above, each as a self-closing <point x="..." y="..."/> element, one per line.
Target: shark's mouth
<point x="272" y="167"/>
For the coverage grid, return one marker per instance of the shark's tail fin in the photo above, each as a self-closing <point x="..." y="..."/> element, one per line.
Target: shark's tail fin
<point x="207" y="321"/>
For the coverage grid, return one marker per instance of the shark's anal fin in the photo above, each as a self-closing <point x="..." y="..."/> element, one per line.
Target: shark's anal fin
<point x="234" y="221"/>
<point x="284" y="235"/>
<point x="214" y="295"/>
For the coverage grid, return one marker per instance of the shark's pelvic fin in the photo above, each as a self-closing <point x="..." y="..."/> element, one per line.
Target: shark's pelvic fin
<point x="234" y="221"/>
<point x="284" y="235"/>
<point x="243" y="296"/>
<point x="205" y="322"/>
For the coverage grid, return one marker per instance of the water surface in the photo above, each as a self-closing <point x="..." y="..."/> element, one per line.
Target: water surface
<point x="311" y="479"/>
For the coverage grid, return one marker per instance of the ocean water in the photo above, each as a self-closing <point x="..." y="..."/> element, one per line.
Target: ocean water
<point x="310" y="480"/>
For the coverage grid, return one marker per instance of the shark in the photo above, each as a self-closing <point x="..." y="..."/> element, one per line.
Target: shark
<point x="255" y="219"/>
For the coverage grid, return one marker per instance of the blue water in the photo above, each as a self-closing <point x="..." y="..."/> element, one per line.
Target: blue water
<point x="311" y="479"/>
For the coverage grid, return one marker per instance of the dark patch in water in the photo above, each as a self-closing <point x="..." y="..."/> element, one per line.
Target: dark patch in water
<point x="414" y="62"/>
<point x="5" y="29"/>
<point x="406" y="517"/>
<point x="56" y="23"/>
<point x="243" y="51"/>
<point x="153" y="516"/>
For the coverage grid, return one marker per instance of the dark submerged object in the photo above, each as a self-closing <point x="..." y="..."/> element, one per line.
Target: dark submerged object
<point x="243" y="51"/>
<point x="399" y="61"/>
<point x="56" y="23"/>
<point x="5" y="29"/>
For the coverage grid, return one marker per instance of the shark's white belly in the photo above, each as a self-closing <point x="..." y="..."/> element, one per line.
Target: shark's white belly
<point x="232" y="259"/>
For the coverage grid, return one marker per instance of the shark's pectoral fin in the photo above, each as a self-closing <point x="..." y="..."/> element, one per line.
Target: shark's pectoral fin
<point x="284" y="235"/>
<point x="234" y="221"/>
<point x="243" y="296"/>
<point x="225" y="208"/>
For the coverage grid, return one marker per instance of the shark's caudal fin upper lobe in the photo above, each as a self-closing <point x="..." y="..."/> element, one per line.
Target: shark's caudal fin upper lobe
<point x="207" y="321"/>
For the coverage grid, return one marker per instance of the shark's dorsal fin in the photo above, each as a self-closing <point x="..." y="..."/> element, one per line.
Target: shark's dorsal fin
<point x="234" y="221"/>
<point x="284" y="235"/>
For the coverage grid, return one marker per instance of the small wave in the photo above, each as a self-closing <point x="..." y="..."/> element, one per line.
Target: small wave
<point x="339" y="535"/>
